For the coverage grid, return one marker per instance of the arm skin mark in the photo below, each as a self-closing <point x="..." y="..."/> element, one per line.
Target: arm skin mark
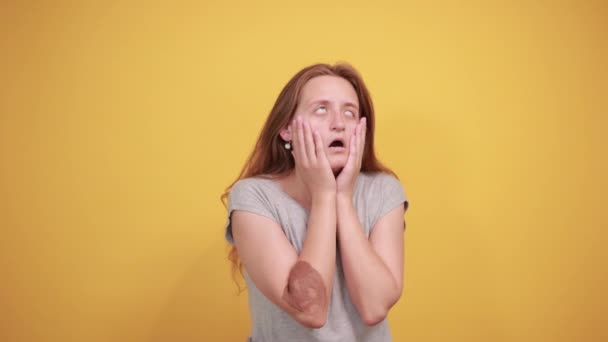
<point x="305" y="290"/>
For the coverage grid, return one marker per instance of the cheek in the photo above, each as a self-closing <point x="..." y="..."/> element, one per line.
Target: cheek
<point x="350" y="129"/>
<point x="316" y="125"/>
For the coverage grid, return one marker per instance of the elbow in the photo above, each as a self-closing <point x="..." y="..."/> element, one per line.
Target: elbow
<point x="314" y="321"/>
<point x="318" y="324"/>
<point x="371" y="318"/>
<point x="307" y="296"/>
<point x="375" y="314"/>
<point x="315" y="317"/>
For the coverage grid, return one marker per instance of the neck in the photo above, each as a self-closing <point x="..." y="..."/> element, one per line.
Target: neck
<point x="294" y="186"/>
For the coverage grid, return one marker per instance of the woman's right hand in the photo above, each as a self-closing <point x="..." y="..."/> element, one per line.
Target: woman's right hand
<point x="311" y="161"/>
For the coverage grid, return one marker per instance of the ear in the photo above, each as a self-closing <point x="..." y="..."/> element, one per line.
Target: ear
<point x="285" y="134"/>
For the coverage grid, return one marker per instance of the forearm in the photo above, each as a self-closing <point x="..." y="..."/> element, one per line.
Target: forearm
<point x="371" y="285"/>
<point x="319" y="247"/>
<point x="310" y="280"/>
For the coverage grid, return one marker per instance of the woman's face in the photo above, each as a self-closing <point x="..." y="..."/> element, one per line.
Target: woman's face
<point x="331" y="106"/>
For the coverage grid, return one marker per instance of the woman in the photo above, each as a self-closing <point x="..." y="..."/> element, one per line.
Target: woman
<point x="317" y="221"/>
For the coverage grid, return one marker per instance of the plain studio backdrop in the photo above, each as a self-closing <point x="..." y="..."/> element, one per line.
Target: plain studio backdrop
<point x="121" y="123"/>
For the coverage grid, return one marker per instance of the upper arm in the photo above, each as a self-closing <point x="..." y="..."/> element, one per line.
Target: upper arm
<point x="387" y="240"/>
<point x="264" y="251"/>
<point x="268" y="257"/>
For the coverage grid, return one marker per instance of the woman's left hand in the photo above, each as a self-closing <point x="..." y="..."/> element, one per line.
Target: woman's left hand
<point x="345" y="181"/>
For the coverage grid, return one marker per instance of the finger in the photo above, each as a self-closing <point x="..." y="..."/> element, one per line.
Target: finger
<point x="362" y="136"/>
<point x="319" y="146"/>
<point x="294" y="139"/>
<point x="357" y="135"/>
<point x="292" y="129"/>
<point x="352" y="151"/>
<point x="310" y="144"/>
<point x="300" y="147"/>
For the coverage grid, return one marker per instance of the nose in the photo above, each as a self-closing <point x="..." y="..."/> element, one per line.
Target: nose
<point x="337" y="122"/>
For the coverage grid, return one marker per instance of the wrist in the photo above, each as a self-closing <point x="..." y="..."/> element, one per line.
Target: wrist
<point x="344" y="198"/>
<point x="345" y="190"/>
<point x="324" y="197"/>
<point x="345" y="208"/>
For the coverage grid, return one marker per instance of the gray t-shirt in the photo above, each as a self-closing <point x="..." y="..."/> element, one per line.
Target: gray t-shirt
<point x="374" y="196"/>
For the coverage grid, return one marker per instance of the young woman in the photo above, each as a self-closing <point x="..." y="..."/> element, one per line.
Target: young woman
<point x="316" y="220"/>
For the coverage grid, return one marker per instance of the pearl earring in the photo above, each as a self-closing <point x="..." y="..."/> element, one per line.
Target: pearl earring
<point x="287" y="146"/>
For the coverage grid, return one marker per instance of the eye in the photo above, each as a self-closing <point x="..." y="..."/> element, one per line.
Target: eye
<point x="351" y="113"/>
<point x="321" y="110"/>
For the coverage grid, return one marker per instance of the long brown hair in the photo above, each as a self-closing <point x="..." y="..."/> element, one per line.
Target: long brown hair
<point x="270" y="158"/>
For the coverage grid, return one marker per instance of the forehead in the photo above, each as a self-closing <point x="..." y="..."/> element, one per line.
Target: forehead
<point x="330" y="88"/>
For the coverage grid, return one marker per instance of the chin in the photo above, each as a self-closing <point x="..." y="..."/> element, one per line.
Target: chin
<point x="337" y="162"/>
<point x="337" y="168"/>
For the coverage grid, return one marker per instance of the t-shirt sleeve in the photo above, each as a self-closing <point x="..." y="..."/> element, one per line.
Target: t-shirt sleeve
<point x="391" y="194"/>
<point x="247" y="195"/>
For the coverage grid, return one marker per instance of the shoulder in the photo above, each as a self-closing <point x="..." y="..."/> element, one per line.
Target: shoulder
<point x="378" y="181"/>
<point x="252" y="184"/>
<point x="253" y="195"/>
<point x="383" y="190"/>
<point x="250" y="191"/>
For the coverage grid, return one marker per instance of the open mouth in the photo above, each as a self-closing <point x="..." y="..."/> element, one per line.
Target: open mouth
<point x="337" y="144"/>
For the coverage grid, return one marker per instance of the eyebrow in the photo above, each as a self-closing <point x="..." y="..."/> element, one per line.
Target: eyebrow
<point x="347" y="104"/>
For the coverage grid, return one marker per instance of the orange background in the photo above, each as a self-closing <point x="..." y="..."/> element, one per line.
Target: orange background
<point x="121" y="123"/>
